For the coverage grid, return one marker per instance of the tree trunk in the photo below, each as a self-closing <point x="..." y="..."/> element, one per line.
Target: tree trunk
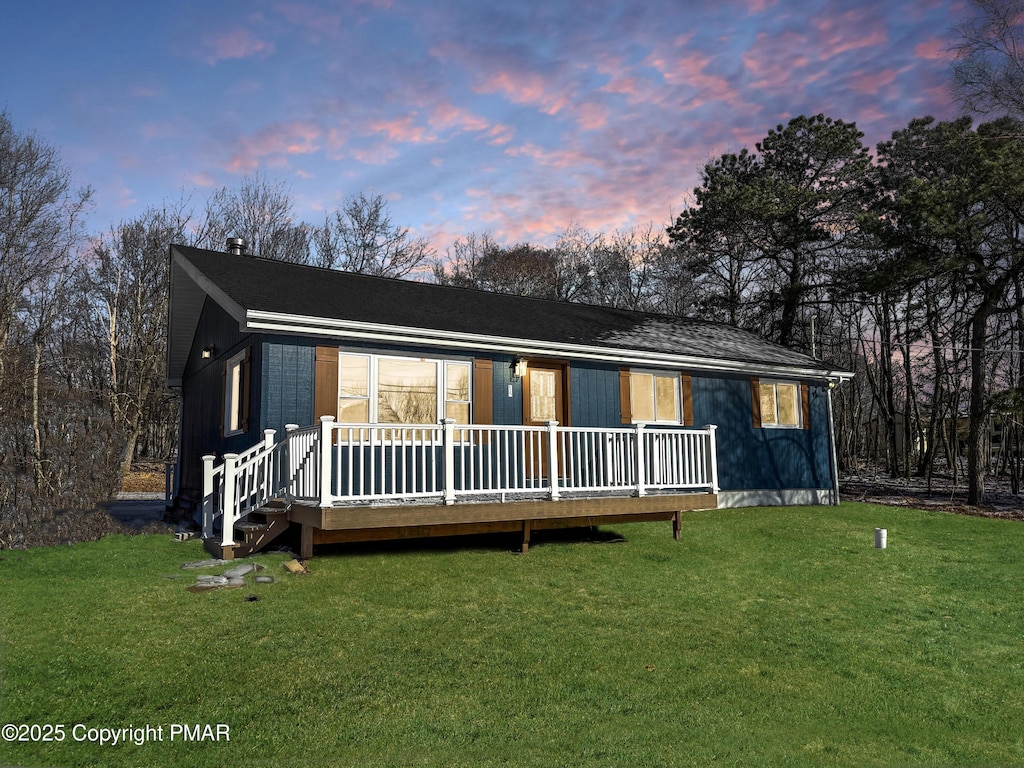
<point x="37" y="433"/>
<point x="977" y="410"/>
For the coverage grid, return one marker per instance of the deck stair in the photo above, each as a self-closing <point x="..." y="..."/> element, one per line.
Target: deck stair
<point x="254" y="532"/>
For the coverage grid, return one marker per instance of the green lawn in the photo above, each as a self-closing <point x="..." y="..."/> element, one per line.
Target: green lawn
<point x="764" y="637"/>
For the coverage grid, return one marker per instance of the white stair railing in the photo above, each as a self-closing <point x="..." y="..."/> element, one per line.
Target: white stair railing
<point x="242" y="483"/>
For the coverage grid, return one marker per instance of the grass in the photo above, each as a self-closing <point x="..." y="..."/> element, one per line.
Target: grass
<point x="765" y="637"/>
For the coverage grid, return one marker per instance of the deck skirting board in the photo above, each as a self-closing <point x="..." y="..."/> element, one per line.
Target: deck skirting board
<point x="350" y="518"/>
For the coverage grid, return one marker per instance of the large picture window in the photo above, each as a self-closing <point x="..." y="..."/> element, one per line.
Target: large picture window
<point x="382" y="389"/>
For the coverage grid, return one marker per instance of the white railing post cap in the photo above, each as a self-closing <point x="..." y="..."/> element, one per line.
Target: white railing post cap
<point x="325" y="419"/>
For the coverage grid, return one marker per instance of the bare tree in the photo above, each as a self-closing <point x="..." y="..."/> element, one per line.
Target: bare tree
<point x="40" y="225"/>
<point x="261" y="211"/>
<point x="988" y="73"/>
<point x="360" y="237"/>
<point x="127" y="284"/>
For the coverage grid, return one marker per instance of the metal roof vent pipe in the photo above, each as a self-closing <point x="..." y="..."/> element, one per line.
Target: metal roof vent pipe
<point x="237" y="246"/>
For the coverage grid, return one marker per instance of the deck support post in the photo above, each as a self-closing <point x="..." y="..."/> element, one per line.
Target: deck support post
<point x="208" y="491"/>
<point x="527" y="530"/>
<point x="553" y="459"/>
<point x="677" y="525"/>
<point x="306" y="542"/>
<point x="449" y="460"/>
<point x="326" y="426"/>
<point x="227" y="536"/>
<point x="712" y="457"/>
<point x="641" y="468"/>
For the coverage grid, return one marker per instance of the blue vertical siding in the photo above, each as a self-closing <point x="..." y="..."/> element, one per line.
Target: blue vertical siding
<point x="288" y="370"/>
<point x="505" y="410"/>
<point x="750" y="458"/>
<point x="594" y="398"/>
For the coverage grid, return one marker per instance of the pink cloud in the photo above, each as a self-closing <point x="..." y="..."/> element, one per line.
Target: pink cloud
<point x="376" y="154"/>
<point x="933" y="50"/>
<point x="403" y="129"/>
<point x="873" y="82"/>
<point x="523" y="88"/>
<point x="312" y="18"/>
<point x="500" y="134"/>
<point x="771" y="61"/>
<point x="276" y="141"/>
<point x="691" y="70"/>
<point x="844" y="32"/>
<point x="446" y="116"/>
<point x="201" y="180"/>
<point x="238" y="43"/>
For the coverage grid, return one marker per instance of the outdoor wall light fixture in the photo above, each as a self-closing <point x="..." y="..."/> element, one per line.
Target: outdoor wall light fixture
<point x="207" y="353"/>
<point x="518" y="369"/>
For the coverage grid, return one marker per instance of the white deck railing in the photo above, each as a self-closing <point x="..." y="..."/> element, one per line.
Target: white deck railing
<point x="334" y="464"/>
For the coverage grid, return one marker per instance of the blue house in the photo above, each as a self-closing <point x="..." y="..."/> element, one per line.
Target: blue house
<point x="362" y="408"/>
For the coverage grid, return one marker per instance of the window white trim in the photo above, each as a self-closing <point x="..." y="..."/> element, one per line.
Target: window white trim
<point x="773" y="420"/>
<point x="655" y="374"/>
<point x="441" y="374"/>
<point x="234" y="392"/>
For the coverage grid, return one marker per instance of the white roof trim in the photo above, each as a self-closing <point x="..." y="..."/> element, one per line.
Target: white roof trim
<point x="279" y="322"/>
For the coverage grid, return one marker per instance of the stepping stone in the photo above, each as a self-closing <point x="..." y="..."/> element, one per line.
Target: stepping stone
<point x="205" y="563"/>
<point x="264" y="579"/>
<point x="211" y="581"/>
<point x="241" y="570"/>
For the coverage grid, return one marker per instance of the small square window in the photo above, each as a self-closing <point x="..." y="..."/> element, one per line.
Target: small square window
<point x="780" y="404"/>
<point x="654" y="397"/>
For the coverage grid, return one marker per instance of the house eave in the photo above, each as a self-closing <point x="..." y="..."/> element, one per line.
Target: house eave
<point x="304" y="325"/>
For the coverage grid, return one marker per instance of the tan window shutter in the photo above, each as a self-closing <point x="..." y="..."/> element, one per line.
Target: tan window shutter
<point x="483" y="391"/>
<point x="325" y="383"/>
<point x="624" y="396"/>
<point x="755" y="397"/>
<point x="805" y="405"/>
<point x="686" y="384"/>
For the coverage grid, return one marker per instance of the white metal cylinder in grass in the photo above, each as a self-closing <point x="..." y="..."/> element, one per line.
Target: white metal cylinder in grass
<point x="880" y="536"/>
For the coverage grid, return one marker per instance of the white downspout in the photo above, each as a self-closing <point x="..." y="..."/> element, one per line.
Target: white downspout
<point x="832" y="446"/>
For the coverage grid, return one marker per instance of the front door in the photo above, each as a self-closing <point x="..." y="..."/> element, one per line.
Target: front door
<point x="544" y="399"/>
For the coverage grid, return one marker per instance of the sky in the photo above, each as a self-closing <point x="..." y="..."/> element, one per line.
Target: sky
<point x="515" y="118"/>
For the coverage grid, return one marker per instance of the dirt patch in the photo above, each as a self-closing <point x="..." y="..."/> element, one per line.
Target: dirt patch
<point x="942" y="496"/>
<point x="145" y="477"/>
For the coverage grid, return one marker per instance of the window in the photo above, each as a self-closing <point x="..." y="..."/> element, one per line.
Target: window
<point x="379" y="389"/>
<point x="236" y="393"/>
<point x="780" y="404"/>
<point x="654" y="397"/>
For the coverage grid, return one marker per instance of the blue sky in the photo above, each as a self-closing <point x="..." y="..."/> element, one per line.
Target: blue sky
<point x="514" y="118"/>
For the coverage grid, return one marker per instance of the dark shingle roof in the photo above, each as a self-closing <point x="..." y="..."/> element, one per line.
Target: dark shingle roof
<point x="274" y="286"/>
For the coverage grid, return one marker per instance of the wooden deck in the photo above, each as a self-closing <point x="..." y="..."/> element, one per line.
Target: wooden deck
<point x="334" y="525"/>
